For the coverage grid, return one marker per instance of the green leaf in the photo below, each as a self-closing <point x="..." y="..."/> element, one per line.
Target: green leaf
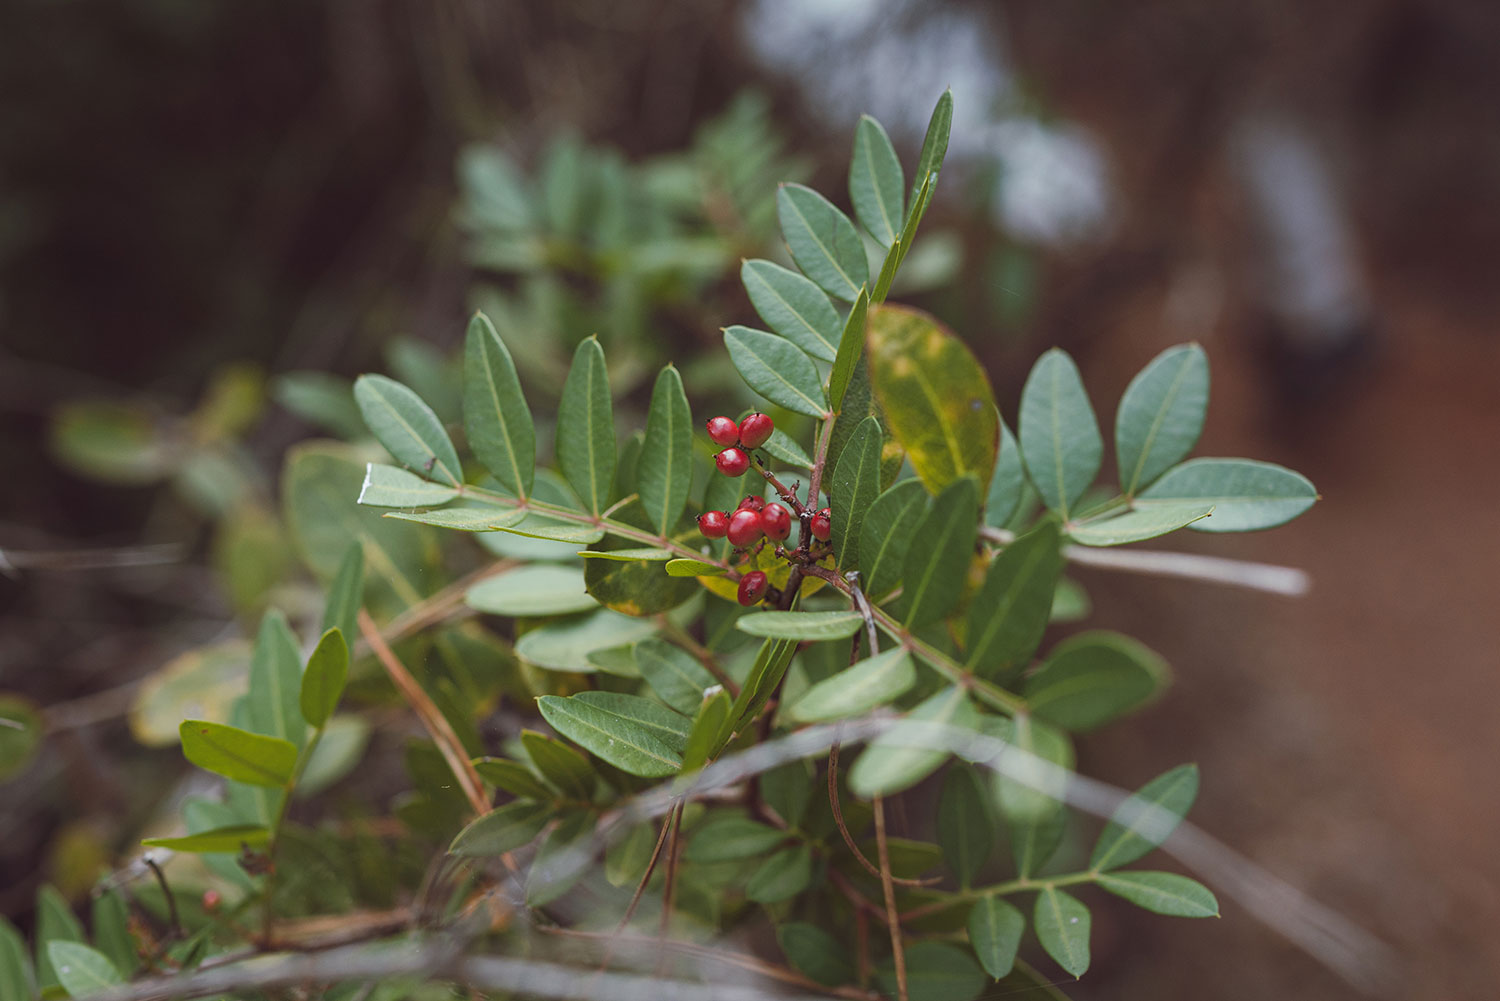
<point x="902" y="756"/>
<point x="238" y="754"/>
<point x="673" y="673"/>
<point x="408" y="428"/>
<point x="564" y="857"/>
<point x="1161" y="415"/>
<point x="782" y="876"/>
<point x="1008" y="483"/>
<point x="934" y="145"/>
<point x="693" y="568"/>
<point x="504" y="830"/>
<point x="586" y="427"/>
<point x="765" y="676"/>
<point x="1093" y="678"/>
<point x="496" y="418"/>
<point x="886" y="534"/>
<point x="1246" y="495"/>
<point x="851" y="346"/>
<point x="388" y="486"/>
<point x="780" y="446"/>
<point x="966" y="828"/>
<point x="1139" y="525"/>
<point x="995" y="928"/>
<point x="512" y="777"/>
<point x="1009" y="613"/>
<point x="935" y="396"/>
<point x="233" y="838"/>
<point x="536" y="526"/>
<point x="935" y="971"/>
<point x="664" y="471"/>
<point x="1146" y="819"/>
<point x="538" y="589"/>
<point x="888" y="268"/>
<point x="638" y="587"/>
<point x="565" y="769"/>
<point x="854" y="487"/>
<point x="110" y="918"/>
<point x="801" y="625"/>
<point x="668" y="726"/>
<point x="346" y="593"/>
<point x="1062" y="925"/>
<point x="871" y="682"/>
<point x="776" y="369"/>
<point x="937" y="558"/>
<point x="816" y="954"/>
<point x="729" y="837"/>
<point x="823" y="241"/>
<point x="82" y="971"/>
<point x="566" y="644"/>
<point x="1059" y="436"/>
<point x="876" y="185"/>
<point x="617" y="739"/>
<point x="276" y="682"/>
<point x="341" y="750"/>
<point x="323" y="681"/>
<point x="21" y="729"/>
<point x="475" y="518"/>
<point x="1162" y="893"/>
<point x="793" y="307"/>
<point x="703" y="739"/>
<point x="1030" y="802"/>
<point x="631" y="555"/>
<point x="914" y="215"/>
<point x="55" y="922"/>
<point x="17" y="977"/>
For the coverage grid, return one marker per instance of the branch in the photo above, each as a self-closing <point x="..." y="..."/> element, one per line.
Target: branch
<point x="892" y="919"/>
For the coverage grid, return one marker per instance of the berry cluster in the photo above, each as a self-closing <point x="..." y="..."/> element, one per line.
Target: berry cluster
<point x="753" y="432"/>
<point x="750" y="521"/>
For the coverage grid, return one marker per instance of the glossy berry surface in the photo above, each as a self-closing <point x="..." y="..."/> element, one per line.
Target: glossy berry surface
<point x="714" y="524"/>
<point x="775" y="521"/>
<point x="744" y="528"/>
<point x="732" y="462"/>
<point x="755" y="430"/>
<point x="723" y="431"/>
<point x="822" y="525"/>
<point x="752" y="504"/>
<point x="752" y="588"/>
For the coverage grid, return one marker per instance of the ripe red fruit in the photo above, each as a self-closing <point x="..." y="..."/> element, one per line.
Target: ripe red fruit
<point x="732" y="462"/>
<point x="775" y="522"/>
<point x="744" y="528"/>
<point x="713" y="524"/>
<point x="755" y="429"/>
<point x="822" y="524"/>
<point x="723" y="431"/>
<point x="752" y="504"/>
<point x="211" y="900"/>
<point x="752" y="588"/>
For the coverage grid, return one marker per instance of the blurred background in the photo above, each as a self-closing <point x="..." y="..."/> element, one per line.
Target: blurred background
<point x="213" y="214"/>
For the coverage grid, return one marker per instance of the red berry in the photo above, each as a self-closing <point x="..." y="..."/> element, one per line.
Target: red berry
<point x="744" y="528"/>
<point x="713" y="524"/>
<point x="211" y="900"/>
<point x="723" y="431"/>
<point x="822" y="525"/>
<point x="755" y="429"/>
<point x="775" y="522"/>
<point x="732" y="462"/>
<point x="752" y="588"/>
<point x="752" y="504"/>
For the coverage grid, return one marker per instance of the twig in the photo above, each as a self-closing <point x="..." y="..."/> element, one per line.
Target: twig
<point x="174" y="931"/>
<point x="838" y="819"/>
<point x="671" y="883"/>
<point x="892" y="919"/>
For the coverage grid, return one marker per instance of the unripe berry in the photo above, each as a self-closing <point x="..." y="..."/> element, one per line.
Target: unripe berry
<point x="732" y="462"/>
<point x="775" y="522"/>
<point x="744" y="528"/>
<point x="752" y="588"/>
<point x="723" y="431"/>
<point x="713" y="524"/>
<point x="822" y="525"/>
<point x="752" y="504"/>
<point x="755" y="430"/>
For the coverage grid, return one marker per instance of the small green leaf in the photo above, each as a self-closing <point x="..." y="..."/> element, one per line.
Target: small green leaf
<point x="914" y="214"/>
<point x="388" y="486"/>
<point x="503" y="830"/>
<point x="1009" y="613"/>
<point x="110" y="919"/>
<point x="538" y="526"/>
<point x="1162" y="893"/>
<point x="801" y="625"/>
<point x="619" y="740"/>
<point x="937" y="558"/>
<point x="238" y="754"/>
<point x="651" y="555"/>
<point x="902" y="756"/>
<point x="346" y="593"/>
<point x="854" y="487"/>
<point x="782" y="876"/>
<point x="586" y="427"/>
<point x="869" y="683"/>
<point x="934" y="144"/>
<point x="875" y="183"/>
<point x="1062" y="926"/>
<point x="512" y="777"/>
<point x="673" y="673"/>
<point x="82" y="971"/>
<point x="765" y="676"/>
<point x="693" y="568"/>
<point x="851" y="346"/>
<point x="776" y="369"/>
<point x="276" y="681"/>
<point x="793" y="307"/>
<point x="667" y="725"/>
<point x="1008" y="483"/>
<point x="1161" y="416"/>
<point x="1246" y="495"/>
<point x="1059" y="435"/>
<point x="1146" y="819"/>
<point x="1093" y="678"/>
<point x="496" y="418"/>
<point x="565" y="769"/>
<point x="966" y="828"/>
<point x="888" y="269"/>
<point x="1140" y="524"/>
<point x="935" y="971"/>
<point x="729" y="837"/>
<point x="55" y="922"/>
<point x="995" y="928"/>
<point x="470" y="518"/>
<point x="17" y="976"/>
<point x="408" y="428"/>
<point x="233" y="838"/>
<point x="815" y="953"/>
<point x="886" y="534"/>
<point x="823" y="241"/>
<point x="536" y="590"/>
<point x="703" y="739"/>
<point x="323" y="681"/>
<point x="566" y="644"/>
<point x="664" y="471"/>
<point x="780" y="446"/>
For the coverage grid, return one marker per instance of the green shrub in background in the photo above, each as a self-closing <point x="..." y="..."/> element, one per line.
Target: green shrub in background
<point x="673" y="748"/>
